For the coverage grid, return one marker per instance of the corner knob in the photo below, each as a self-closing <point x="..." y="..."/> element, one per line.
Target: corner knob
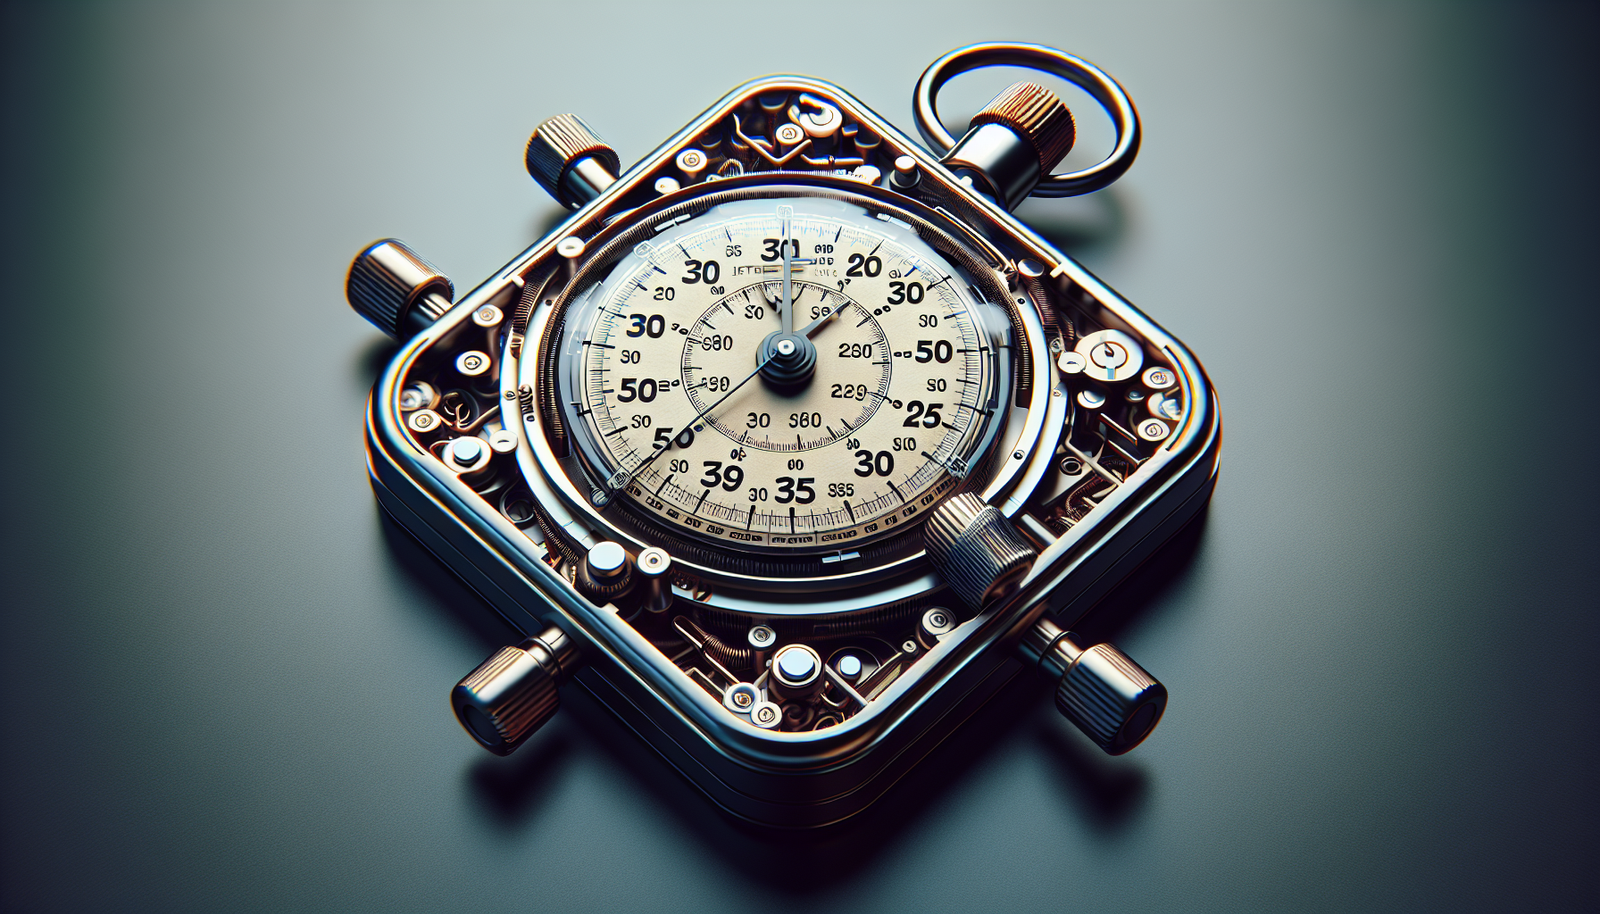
<point x="977" y="551"/>
<point x="399" y="292"/>
<point x="1014" y="142"/>
<point x="570" y="162"/>
<point x="1100" y="689"/>
<point x="1038" y="116"/>
<point x="513" y="693"/>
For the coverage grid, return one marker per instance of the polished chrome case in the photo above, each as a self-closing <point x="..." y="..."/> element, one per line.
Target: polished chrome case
<point x="811" y="778"/>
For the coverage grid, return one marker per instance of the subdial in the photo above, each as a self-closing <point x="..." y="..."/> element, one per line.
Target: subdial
<point x="850" y="381"/>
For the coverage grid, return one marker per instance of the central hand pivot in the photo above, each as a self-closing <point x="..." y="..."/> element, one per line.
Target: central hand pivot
<point x="790" y="361"/>
<point x="787" y="359"/>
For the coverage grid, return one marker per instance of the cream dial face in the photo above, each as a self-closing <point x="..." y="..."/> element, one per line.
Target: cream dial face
<point x="858" y="372"/>
<point x="666" y="391"/>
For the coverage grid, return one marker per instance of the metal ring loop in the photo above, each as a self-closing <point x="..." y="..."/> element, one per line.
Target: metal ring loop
<point x="1075" y="70"/>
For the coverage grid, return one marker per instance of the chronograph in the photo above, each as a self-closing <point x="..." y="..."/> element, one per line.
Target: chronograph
<point x="892" y="384"/>
<point x="792" y="444"/>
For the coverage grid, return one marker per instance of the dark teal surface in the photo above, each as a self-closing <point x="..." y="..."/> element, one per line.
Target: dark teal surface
<point x="225" y="673"/>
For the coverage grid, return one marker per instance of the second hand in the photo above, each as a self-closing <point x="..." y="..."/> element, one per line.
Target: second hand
<point x="788" y="271"/>
<point x="622" y="477"/>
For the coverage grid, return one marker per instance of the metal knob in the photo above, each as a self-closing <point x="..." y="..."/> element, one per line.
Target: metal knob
<point x="513" y="693"/>
<point x="399" y="292"/>
<point x="570" y="162"/>
<point x="979" y="553"/>
<point x="796" y="672"/>
<point x="1014" y="142"/>
<point x="1100" y="689"/>
<point x="653" y="565"/>
<point x="606" y="572"/>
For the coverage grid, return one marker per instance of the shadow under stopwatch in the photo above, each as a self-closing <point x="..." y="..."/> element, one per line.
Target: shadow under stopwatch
<point x="509" y="790"/>
<point x="1079" y="226"/>
<point x="1108" y="792"/>
<point x="455" y="599"/>
<point x="833" y="856"/>
<point x="660" y="788"/>
<point x="1150" y="585"/>
<point x="997" y="730"/>
<point x="375" y="358"/>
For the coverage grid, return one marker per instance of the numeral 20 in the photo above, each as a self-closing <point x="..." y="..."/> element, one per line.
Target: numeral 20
<point x="862" y="265"/>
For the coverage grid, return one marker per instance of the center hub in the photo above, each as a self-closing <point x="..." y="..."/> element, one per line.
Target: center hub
<point x="788" y="361"/>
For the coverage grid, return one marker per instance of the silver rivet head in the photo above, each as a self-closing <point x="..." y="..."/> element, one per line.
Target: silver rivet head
<point x="472" y="363"/>
<point x="795" y="665"/>
<point x="607" y="558"/>
<point x="466" y="451"/>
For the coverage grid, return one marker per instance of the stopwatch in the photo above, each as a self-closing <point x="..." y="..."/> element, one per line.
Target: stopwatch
<point x="792" y="445"/>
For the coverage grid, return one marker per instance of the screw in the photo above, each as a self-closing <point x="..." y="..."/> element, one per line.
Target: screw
<point x="472" y="363"/>
<point x="762" y="636"/>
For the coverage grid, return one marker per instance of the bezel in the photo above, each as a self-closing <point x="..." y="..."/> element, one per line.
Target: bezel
<point x="586" y="427"/>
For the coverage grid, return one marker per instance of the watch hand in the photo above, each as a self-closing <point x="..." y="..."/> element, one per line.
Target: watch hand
<point x="661" y="448"/>
<point x="816" y="325"/>
<point x="788" y="287"/>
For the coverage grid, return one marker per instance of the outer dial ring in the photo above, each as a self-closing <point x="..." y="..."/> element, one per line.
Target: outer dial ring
<point x="887" y="425"/>
<point x="564" y="464"/>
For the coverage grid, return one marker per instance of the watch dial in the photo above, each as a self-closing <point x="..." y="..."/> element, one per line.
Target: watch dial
<point x="698" y="402"/>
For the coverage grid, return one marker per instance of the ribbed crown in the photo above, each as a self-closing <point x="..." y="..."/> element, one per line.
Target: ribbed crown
<point x="976" y="550"/>
<point x="515" y="689"/>
<point x="950" y="520"/>
<point x="557" y="144"/>
<point x="1103" y="690"/>
<point x="1036" y="114"/>
<point x="386" y="278"/>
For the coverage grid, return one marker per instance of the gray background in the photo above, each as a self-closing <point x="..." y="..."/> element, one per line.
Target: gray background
<point x="225" y="672"/>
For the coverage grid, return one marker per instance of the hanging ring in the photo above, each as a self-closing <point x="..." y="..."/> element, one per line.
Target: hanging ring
<point x="1081" y="73"/>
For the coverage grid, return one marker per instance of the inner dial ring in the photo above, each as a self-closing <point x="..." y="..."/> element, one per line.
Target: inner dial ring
<point x="724" y="346"/>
